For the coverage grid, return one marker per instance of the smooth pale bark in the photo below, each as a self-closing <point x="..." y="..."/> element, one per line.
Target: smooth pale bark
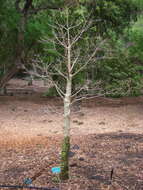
<point x="66" y="142"/>
<point x="67" y="115"/>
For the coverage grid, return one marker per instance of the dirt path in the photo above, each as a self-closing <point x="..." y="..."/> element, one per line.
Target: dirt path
<point x="106" y="134"/>
<point x="23" y="118"/>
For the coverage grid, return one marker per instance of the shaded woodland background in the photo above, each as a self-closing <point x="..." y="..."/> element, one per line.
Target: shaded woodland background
<point x="25" y="23"/>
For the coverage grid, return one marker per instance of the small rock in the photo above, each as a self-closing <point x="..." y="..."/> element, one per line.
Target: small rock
<point x="39" y="135"/>
<point x="127" y="146"/>
<point x="80" y="123"/>
<point x="81" y="159"/>
<point x="71" y="154"/>
<point x="92" y="156"/>
<point x="75" y="121"/>
<point x="73" y="165"/>
<point x="102" y="123"/>
<point x="46" y="158"/>
<point x="44" y="121"/>
<point x="81" y="114"/>
<point x="96" y="177"/>
<point x="92" y="177"/>
<point x="75" y="147"/>
<point x="13" y="109"/>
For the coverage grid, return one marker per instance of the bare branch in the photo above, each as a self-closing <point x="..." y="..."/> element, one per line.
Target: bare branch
<point x="75" y="61"/>
<point x="45" y="40"/>
<point x="97" y="89"/>
<point x="60" y="26"/>
<point x="90" y="58"/>
<point x="82" y="88"/>
<point x="61" y="73"/>
<point x="60" y="92"/>
<point x="75" y="26"/>
<point x="63" y="35"/>
<point x="59" y="41"/>
<point x="104" y="57"/>
<point x="31" y="73"/>
<point x="84" y="28"/>
<point x="88" y="96"/>
<point x="64" y="57"/>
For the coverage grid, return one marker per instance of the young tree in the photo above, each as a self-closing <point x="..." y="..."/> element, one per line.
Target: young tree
<point x="73" y="58"/>
<point x="75" y="47"/>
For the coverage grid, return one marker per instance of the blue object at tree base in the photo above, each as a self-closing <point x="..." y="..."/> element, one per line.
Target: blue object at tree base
<point x="56" y="170"/>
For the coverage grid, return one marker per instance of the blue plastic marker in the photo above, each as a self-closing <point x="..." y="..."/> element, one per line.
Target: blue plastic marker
<point x="28" y="181"/>
<point x="56" y="170"/>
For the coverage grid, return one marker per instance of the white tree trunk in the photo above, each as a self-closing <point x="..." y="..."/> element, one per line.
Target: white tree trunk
<point x="66" y="142"/>
<point x="67" y="103"/>
<point x="67" y="114"/>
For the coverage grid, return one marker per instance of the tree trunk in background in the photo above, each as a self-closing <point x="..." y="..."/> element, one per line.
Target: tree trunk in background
<point x="8" y="75"/>
<point x="19" y="53"/>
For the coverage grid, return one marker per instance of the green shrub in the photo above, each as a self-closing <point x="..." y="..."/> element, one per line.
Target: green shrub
<point x="51" y="92"/>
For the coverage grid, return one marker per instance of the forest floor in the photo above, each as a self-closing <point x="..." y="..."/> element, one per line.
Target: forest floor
<point x="106" y="135"/>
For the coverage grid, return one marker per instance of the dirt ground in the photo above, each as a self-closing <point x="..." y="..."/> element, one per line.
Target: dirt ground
<point x="107" y="137"/>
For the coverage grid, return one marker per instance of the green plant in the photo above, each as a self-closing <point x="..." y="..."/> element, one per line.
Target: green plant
<point x="51" y="92"/>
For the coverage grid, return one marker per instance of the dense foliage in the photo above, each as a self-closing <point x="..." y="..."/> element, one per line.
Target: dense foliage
<point x="115" y="20"/>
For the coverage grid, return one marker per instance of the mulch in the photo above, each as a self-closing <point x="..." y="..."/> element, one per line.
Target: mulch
<point x="111" y="161"/>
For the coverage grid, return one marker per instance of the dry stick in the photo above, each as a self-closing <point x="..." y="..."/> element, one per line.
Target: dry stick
<point x="59" y="41"/>
<point x="75" y="61"/>
<point x="60" y="92"/>
<point x="61" y="73"/>
<point x="118" y="182"/>
<point x="90" y="59"/>
<point x="85" y="28"/>
<point x="111" y="175"/>
<point x="91" y="97"/>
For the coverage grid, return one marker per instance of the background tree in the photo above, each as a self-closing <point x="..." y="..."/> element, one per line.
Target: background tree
<point x="24" y="11"/>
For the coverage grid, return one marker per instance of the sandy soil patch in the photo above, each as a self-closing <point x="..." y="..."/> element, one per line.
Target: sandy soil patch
<point x="28" y="117"/>
<point x="107" y="135"/>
